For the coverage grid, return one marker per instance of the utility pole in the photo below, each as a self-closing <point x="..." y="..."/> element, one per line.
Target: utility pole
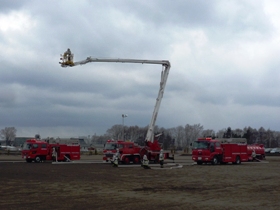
<point x="123" y="116"/>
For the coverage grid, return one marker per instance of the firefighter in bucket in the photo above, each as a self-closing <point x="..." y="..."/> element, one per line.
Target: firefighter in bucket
<point x="68" y="58"/>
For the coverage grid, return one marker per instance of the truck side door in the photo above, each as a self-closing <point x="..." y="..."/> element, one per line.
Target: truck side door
<point x="212" y="147"/>
<point x="218" y="147"/>
<point x="44" y="149"/>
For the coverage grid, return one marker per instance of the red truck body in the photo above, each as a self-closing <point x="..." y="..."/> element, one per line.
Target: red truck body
<point x="214" y="151"/>
<point x="38" y="150"/>
<point x="132" y="152"/>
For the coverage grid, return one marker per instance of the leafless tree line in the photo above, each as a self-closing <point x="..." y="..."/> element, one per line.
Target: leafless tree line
<point x="182" y="136"/>
<point x="178" y="137"/>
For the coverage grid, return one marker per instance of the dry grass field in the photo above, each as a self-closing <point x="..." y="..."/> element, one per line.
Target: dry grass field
<point x="48" y="186"/>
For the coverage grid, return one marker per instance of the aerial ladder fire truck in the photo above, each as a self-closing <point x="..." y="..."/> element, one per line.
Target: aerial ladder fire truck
<point x="131" y="152"/>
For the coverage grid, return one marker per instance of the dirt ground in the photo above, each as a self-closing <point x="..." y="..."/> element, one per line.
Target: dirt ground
<point x="101" y="186"/>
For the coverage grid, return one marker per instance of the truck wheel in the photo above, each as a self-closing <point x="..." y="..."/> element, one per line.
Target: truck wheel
<point x="136" y="160"/>
<point x="126" y="160"/>
<point x="156" y="161"/>
<point x="237" y="161"/>
<point x="215" y="161"/>
<point x="37" y="159"/>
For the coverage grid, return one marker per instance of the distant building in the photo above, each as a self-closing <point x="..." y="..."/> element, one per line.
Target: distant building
<point x="83" y="145"/>
<point x="19" y="141"/>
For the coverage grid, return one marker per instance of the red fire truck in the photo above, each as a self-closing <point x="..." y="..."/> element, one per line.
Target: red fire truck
<point x="132" y="152"/>
<point x="129" y="151"/>
<point x="40" y="150"/>
<point x="219" y="151"/>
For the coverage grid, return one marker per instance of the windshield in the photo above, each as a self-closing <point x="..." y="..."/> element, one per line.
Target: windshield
<point x="110" y="146"/>
<point x="200" y="145"/>
<point x="27" y="146"/>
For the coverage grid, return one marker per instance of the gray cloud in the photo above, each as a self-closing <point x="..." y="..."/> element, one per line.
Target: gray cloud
<point x="223" y="55"/>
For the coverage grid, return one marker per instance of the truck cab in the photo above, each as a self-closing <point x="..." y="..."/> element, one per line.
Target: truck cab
<point x="35" y="150"/>
<point x="206" y="150"/>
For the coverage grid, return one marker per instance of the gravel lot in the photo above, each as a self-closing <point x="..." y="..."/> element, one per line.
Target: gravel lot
<point x="100" y="186"/>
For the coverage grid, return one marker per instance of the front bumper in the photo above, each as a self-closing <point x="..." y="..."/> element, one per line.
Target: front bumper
<point x="108" y="157"/>
<point x="201" y="158"/>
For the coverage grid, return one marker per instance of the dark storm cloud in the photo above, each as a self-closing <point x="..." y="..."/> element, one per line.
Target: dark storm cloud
<point x="7" y="97"/>
<point x="6" y="6"/>
<point x="215" y="49"/>
<point x="166" y="13"/>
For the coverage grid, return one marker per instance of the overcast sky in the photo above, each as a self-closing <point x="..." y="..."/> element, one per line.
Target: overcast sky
<point x="224" y="59"/>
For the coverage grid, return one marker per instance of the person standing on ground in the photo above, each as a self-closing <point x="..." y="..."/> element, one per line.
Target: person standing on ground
<point x="161" y="158"/>
<point x="53" y="154"/>
<point x="116" y="159"/>
<point x="145" y="162"/>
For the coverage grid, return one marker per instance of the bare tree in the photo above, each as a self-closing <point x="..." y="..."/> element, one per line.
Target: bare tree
<point x="9" y="134"/>
<point x="192" y="133"/>
<point x="115" y="132"/>
<point x="179" y="135"/>
<point x="141" y="136"/>
<point x="208" y="132"/>
<point x="238" y="133"/>
<point x="132" y="133"/>
<point x="276" y="136"/>
<point x="228" y="133"/>
<point x="220" y="133"/>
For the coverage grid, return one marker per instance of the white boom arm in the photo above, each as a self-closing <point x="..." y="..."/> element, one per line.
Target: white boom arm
<point x="67" y="60"/>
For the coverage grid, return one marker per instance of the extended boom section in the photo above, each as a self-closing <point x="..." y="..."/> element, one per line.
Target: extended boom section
<point x="119" y="60"/>
<point x="67" y="61"/>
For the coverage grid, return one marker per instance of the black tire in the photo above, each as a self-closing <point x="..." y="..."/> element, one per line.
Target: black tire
<point x="199" y="162"/>
<point x="38" y="159"/>
<point x="28" y="160"/>
<point x="136" y="160"/>
<point x="237" y="160"/>
<point x="215" y="161"/>
<point x="126" y="160"/>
